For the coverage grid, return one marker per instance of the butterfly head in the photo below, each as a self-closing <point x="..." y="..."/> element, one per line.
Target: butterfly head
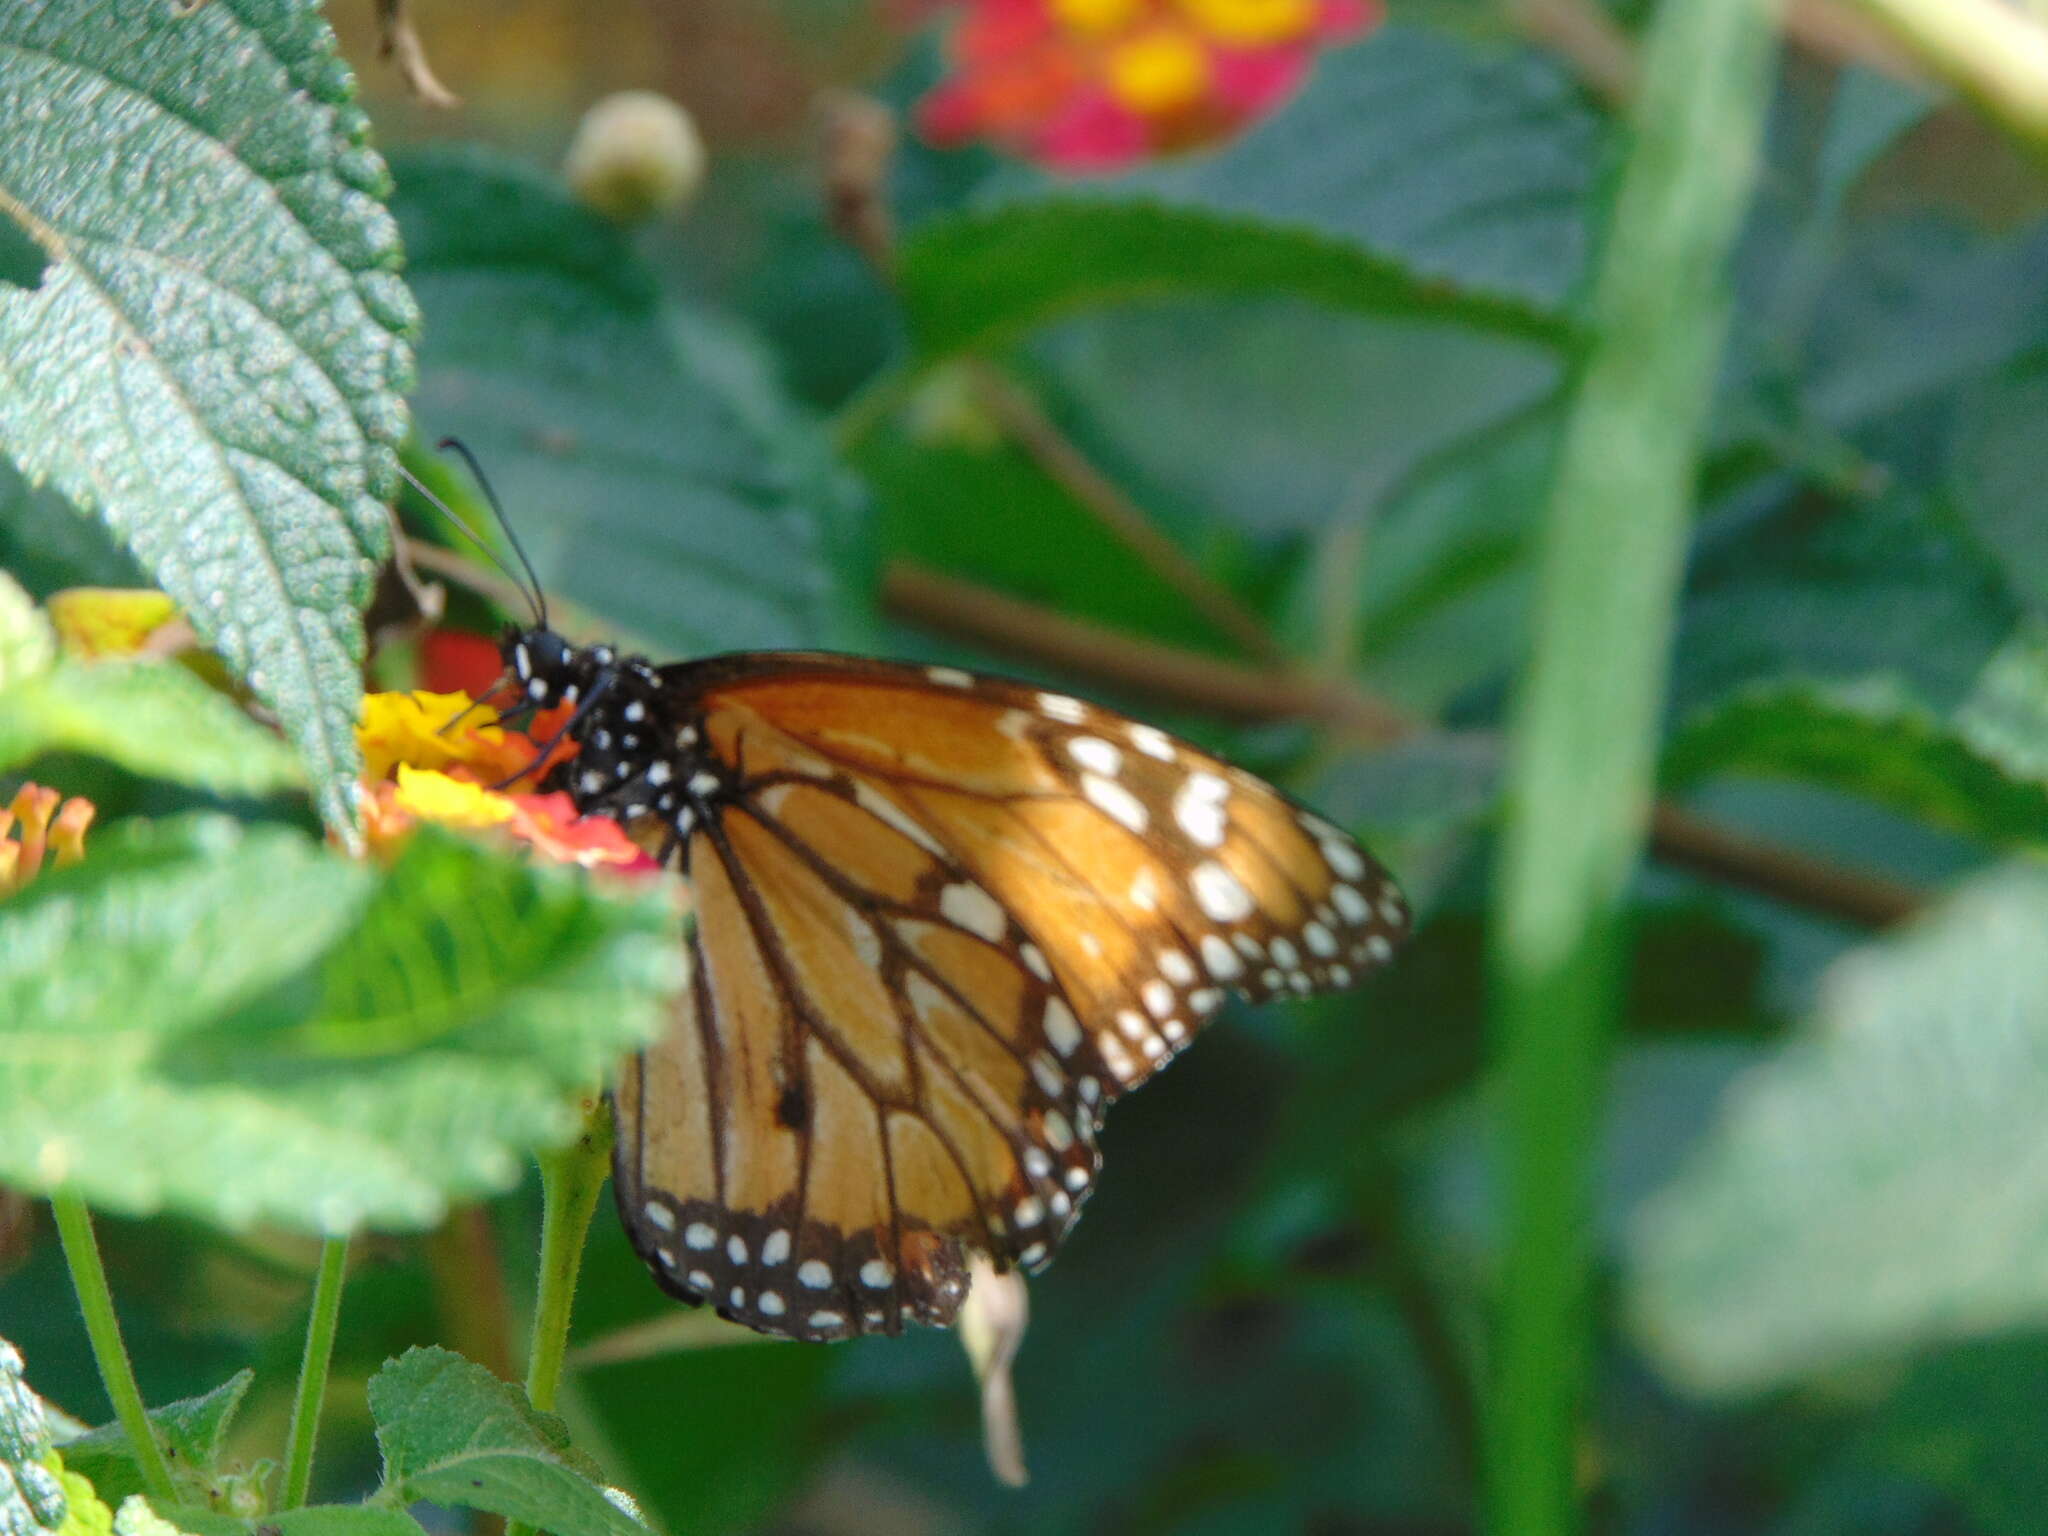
<point x="548" y="670"/>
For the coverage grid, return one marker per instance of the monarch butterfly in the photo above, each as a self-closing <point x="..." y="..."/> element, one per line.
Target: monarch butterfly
<point x="943" y="921"/>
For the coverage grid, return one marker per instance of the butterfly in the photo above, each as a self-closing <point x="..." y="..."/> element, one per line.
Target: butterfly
<point x="942" y="922"/>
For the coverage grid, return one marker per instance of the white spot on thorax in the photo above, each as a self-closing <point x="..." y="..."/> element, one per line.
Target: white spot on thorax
<point x="635" y="712"/>
<point x="703" y="783"/>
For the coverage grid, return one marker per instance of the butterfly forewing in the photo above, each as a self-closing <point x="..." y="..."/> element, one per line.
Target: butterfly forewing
<point x="942" y="921"/>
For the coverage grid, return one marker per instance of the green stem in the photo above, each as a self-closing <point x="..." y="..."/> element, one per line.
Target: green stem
<point x="327" y="1287"/>
<point x="96" y="1301"/>
<point x="1582" y="760"/>
<point x="571" y="1179"/>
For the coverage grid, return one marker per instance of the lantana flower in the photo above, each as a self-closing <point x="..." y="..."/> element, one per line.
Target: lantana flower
<point x="443" y="758"/>
<point x="37" y="822"/>
<point x="1096" y="85"/>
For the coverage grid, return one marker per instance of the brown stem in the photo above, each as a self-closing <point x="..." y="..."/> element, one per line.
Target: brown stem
<point x="1585" y="37"/>
<point x="1171" y="676"/>
<point x="1026" y="425"/>
<point x="397" y="42"/>
<point x="467" y="1274"/>
<point x="1163" y="673"/>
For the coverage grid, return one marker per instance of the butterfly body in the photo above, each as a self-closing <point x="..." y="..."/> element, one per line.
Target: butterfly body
<point x="942" y="922"/>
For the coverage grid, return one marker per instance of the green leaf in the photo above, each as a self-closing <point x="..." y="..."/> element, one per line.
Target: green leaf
<point x="31" y="1498"/>
<point x="191" y="1431"/>
<point x="1997" y="466"/>
<point x="643" y="484"/>
<point x="1275" y="415"/>
<point x="234" y="1023"/>
<point x="213" y="366"/>
<point x="342" y="1520"/>
<point x="452" y="1433"/>
<point x="1873" y="1186"/>
<point x="28" y="645"/>
<point x="1415" y="175"/>
<point x="1875" y="742"/>
<point x="1785" y="585"/>
<point x="152" y="717"/>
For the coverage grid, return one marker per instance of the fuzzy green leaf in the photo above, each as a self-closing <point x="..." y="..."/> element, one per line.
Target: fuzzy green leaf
<point x="191" y="1431"/>
<point x="1878" y="1184"/>
<point x="213" y="359"/>
<point x="234" y="1023"/>
<point x="452" y="1433"/>
<point x="1415" y="175"/>
<point x="154" y="718"/>
<point x="31" y="1498"/>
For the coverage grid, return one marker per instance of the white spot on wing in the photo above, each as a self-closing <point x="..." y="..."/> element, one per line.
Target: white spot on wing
<point x="949" y="677"/>
<point x="1061" y="1027"/>
<point x="1058" y="706"/>
<point x="966" y="905"/>
<point x="700" y="1236"/>
<point x="1342" y="857"/>
<point x="1219" y="893"/>
<point x="1221" y="960"/>
<point x="1115" y="802"/>
<point x="1350" y="904"/>
<point x="883" y="809"/>
<point x="1096" y="755"/>
<point x="813" y="1274"/>
<point x="659" y="1215"/>
<point x="1176" y="967"/>
<point x="1198" y="807"/>
<point x="1152" y="741"/>
<point x="1034" y="958"/>
<point x="1158" y="998"/>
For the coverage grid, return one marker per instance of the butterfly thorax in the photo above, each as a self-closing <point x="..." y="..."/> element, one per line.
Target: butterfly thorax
<point x="640" y="760"/>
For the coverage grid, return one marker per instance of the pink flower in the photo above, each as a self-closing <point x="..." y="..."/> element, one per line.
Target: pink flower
<point x="1096" y="85"/>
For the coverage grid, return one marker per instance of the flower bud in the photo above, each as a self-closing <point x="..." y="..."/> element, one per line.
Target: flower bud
<point x="636" y="154"/>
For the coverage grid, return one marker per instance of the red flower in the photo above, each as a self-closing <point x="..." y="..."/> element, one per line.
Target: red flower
<point x="1094" y="85"/>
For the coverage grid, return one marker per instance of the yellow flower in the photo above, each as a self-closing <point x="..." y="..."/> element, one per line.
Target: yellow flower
<point x="433" y="796"/>
<point x="1158" y="71"/>
<point x="414" y="728"/>
<point x="1253" y="23"/>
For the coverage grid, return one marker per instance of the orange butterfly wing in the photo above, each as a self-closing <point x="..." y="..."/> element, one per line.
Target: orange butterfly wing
<point x="942" y="922"/>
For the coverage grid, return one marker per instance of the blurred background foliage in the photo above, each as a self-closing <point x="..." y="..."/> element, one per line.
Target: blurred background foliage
<point x="1329" y="364"/>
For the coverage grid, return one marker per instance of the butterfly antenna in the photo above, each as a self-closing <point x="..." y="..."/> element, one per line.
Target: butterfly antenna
<point x="533" y="597"/>
<point x="457" y="445"/>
